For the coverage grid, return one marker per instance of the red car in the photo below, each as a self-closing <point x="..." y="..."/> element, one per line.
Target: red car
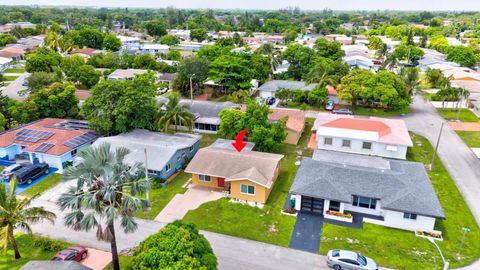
<point x="71" y="254"/>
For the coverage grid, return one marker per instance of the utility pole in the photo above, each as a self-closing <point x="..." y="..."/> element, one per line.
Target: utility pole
<point x="146" y="171"/>
<point x="462" y="93"/>
<point x="191" y="89"/>
<point x="436" y="146"/>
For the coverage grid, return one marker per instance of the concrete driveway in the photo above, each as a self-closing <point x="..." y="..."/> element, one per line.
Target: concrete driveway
<point x="195" y="196"/>
<point x="14" y="87"/>
<point x="97" y="259"/>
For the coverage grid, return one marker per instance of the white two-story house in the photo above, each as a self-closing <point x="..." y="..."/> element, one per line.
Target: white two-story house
<point x="360" y="135"/>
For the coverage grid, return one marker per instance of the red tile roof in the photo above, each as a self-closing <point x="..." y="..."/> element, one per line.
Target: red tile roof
<point x="331" y="90"/>
<point x="87" y="51"/>
<point x="60" y="136"/>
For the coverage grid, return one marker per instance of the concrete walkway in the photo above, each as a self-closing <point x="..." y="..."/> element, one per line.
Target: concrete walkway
<point x="97" y="259"/>
<point x="179" y="205"/>
<point x="465" y="126"/>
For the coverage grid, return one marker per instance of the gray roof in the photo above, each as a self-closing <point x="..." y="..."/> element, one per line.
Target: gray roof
<point x="160" y="146"/>
<point x="275" y="85"/>
<point x="404" y="187"/>
<point x="54" y="265"/>
<point x="207" y="111"/>
<point x="227" y="144"/>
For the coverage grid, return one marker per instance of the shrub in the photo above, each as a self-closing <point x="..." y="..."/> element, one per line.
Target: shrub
<point x="46" y="244"/>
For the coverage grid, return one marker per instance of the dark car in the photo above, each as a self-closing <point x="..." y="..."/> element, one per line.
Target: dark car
<point x="71" y="254"/>
<point x="29" y="173"/>
<point x="343" y="111"/>
<point x="271" y="100"/>
<point x="9" y="171"/>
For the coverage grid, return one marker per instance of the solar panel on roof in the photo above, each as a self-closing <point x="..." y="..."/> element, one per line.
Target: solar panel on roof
<point x="81" y="140"/>
<point x="32" y="135"/>
<point x="44" y="147"/>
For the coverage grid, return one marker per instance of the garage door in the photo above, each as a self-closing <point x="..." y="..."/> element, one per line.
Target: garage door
<point x="310" y="204"/>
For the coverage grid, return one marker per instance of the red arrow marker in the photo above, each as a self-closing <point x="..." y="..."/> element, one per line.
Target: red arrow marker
<point x="239" y="144"/>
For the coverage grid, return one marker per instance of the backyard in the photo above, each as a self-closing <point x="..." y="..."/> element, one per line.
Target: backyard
<point x="451" y="114"/>
<point x="401" y="249"/>
<point x="160" y="196"/>
<point x="266" y="224"/>
<point x="30" y="251"/>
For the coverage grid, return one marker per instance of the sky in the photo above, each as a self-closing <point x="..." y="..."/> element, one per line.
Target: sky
<point x="463" y="5"/>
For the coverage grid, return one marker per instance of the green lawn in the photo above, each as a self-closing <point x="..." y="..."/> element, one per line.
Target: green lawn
<point x="301" y="106"/>
<point x="9" y="78"/>
<point x="401" y="249"/>
<point x="451" y="114"/>
<point x="124" y="263"/>
<point x="471" y="138"/>
<point x="380" y="112"/>
<point x="207" y="139"/>
<point x="27" y="251"/>
<point x="14" y="70"/>
<point x="159" y="197"/>
<point x="266" y="224"/>
<point x="45" y="184"/>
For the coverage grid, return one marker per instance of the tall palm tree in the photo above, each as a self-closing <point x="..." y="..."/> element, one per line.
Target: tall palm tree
<point x="52" y="40"/>
<point x="172" y="112"/>
<point x="106" y="191"/>
<point x="15" y="213"/>
<point x="410" y="77"/>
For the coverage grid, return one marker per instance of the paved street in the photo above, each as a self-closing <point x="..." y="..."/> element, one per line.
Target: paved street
<point x="232" y="252"/>
<point x="12" y="89"/>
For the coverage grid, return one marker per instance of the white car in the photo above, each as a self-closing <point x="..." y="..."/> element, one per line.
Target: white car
<point x="349" y="260"/>
<point x="7" y="173"/>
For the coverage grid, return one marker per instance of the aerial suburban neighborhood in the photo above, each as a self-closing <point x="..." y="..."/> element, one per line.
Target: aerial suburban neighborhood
<point x="239" y="135"/>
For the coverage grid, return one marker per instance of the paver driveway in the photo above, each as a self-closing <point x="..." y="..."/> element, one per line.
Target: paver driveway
<point x="178" y="207"/>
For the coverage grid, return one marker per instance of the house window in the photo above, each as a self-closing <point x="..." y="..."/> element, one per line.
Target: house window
<point x="334" y="206"/>
<point x="367" y="145"/>
<point x="364" y="202"/>
<point x="204" y="178"/>
<point x="346" y="143"/>
<point x="247" y="189"/>
<point x="191" y="148"/>
<point x="327" y="141"/>
<point x="152" y="172"/>
<point x="73" y="152"/>
<point x="409" y="216"/>
<point x="168" y="167"/>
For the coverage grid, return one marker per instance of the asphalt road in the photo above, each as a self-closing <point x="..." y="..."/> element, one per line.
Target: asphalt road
<point x="12" y="89"/>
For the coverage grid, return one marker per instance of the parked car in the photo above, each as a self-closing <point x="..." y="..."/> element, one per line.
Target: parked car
<point x="76" y="253"/>
<point x="29" y="173"/>
<point x="330" y="105"/>
<point x="349" y="260"/>
<point x="7" y="173"/>
<point x="343" y="111"/>
<point x="271" y="100"/>
<point x="377" y="62"/>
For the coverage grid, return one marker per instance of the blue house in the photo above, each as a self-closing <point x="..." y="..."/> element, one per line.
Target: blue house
<point x="163" y="154"/>
<point x="50" y="140"/>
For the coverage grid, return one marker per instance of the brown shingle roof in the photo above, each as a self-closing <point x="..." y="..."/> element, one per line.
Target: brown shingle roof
<point x="296" y="118"/>
<point x="255" y="166"/>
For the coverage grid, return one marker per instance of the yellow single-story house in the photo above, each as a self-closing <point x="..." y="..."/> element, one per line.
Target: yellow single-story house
<point x="246" y="176"/>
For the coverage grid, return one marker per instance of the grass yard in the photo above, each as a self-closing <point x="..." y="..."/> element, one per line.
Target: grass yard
<point x="267" y="224"/>
<point x="207" y="139"/>
<point x="380" y="112"/>
<point x="14" y="70"/>
<point x="401" y="249"/>
<point x="9" y="78"/>
<point x="124" y="263"/>
<point x="301" y="106"/>
<point x="451" y="114"/>
<point x="471" y="138"/>
<point x="159" y="197"/>
<point x="45" y="184"/>
<point x="28" y="251"/>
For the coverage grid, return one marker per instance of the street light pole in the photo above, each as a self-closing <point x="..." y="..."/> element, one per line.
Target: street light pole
<point x="146" y="172"/>
<point x="436" y="147"/>
<point x="445" y="263"/>
<point x="191" y="88"/>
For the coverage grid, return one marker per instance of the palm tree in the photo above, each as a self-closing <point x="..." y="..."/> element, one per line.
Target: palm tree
<point x="52" y="40"/>
<point x="172" y="112"/>
<point x="410" y="77"/>
<point x="16" y="214"/>
<point x="390" y="63"/>
<point x="106" y="190"/>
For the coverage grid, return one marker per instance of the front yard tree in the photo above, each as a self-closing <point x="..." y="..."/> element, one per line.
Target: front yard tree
<point x="111" y="43"/>
<point x="232" y="72"/>
<point x="44" y="59"/>
<point x="318" y="95"/>
<point x="172" y="112"/>
<point x="300" y="59"/>
<point x="194" y="68"/>
<point x="120" y="106"/>
<point x="88" y="76"/>
<point x="199" y="34"/>
<point x="231" y="123"/>
<point x="436" y="79"/>
<point x="328" y="49"/>
<point x="464" y="56"/>
<point x="169" y="40"/>
<point x="191" y="249"/>
<point x="156" y="28"/>
<point x="58" y="101"/>
<point x="107" y="191"/>
<point x="15" y="213"/>
<point x="352" y="85"/>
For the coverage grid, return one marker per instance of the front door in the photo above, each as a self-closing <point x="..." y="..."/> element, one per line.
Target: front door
<point x="221" y="182"/>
